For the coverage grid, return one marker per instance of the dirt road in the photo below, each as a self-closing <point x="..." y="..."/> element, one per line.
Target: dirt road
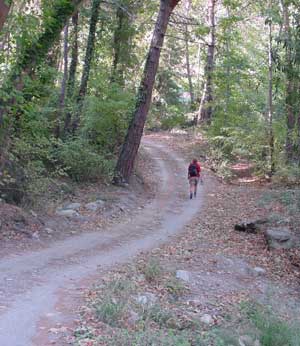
<point x="32" y="283"/>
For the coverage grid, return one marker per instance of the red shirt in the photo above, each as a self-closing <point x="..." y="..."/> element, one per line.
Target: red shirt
<point x="198" y="168"/>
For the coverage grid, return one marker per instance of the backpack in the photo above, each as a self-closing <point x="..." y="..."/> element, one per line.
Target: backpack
<point x="193" y="172"/>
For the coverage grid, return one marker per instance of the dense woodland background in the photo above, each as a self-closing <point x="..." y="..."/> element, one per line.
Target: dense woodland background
<point x="75" y="76"/>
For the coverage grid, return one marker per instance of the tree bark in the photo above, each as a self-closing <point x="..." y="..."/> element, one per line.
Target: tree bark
<point x="4" y="10"/>
<point x="205" y="110"/>
<point x="130" y="147"/>
<point x="187" y="56"/>
<point x="62" y="95"/>
<point x="117" y="75"/>
<point x="72" y="71"/>
<point x="87" y="62"/>
<point x="290" y="86"/>
<point x="270" y="98"/>
<point x="74" y="56"/>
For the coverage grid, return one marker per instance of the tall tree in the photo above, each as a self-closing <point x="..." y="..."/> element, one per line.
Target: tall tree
<point x="205" y="109"/>
<point x="35" y="52"/>
<point x="270" y="92"/>
<point x="131" y="145"/>
<point x="74" y="56"/>
<point x="62" y="96"/>
<point x="4" y="10"/>
<point x="291" y="88"/>
<point x="187" y="54"/>
<point x="117" y="73"/>
<point x="87" y="61"/>
<point x="72" y="71"/>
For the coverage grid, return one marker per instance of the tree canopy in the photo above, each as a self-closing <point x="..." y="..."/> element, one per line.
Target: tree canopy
<point x="80" y="80"/>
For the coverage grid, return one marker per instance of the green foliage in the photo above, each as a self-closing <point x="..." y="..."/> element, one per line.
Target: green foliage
<point x="290" y="198"/>
<point x="172" y="121"/>
<point x="107" y="118"/>
<point x="110" y="311"/>
<point x="152" y="270"/>
<point x="159" y="315"/>
<point x="81" y="162"/>
<point x="231" y="144"/>
<point x="175" y="287"/>
<point x="271" y="330"/>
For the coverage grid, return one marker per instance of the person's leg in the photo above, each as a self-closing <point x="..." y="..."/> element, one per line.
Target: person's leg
<point x="195" y="187"/>
<point x="191" y="187"/>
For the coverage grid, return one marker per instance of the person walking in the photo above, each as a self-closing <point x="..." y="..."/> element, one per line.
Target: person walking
<point x="194" y="172"/>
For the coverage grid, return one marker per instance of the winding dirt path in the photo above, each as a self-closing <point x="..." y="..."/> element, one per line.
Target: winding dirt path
<point x="32" y="284"/>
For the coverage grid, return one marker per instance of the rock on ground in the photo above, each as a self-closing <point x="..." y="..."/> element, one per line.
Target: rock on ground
<point x="74" y="206"/>
<point x="183" y="275"/>
<point x="67" y="212"/>
<point x="93" y="206"/>
<point x="206" y="319"/>
<point x="279" y="238"/>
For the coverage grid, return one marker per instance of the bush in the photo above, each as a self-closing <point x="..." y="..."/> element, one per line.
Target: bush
<point x="175" y="120"/>
<point x="110" y="311"/>
<point x="152" y="270"/>
<point x="107" y="118"/>
<point x="288" y="174"/>
<point x="82" y="162"/>
<point x="175" y="287"/>
<point x="271" y="330"/>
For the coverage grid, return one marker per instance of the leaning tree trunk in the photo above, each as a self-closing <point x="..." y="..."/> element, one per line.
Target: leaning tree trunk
<point x="131" y="145"/>
<point x="4" y="10"/>
<point x="205" y="110"/>
<point x="87" y="62"/>
<point x="36" y="51"/>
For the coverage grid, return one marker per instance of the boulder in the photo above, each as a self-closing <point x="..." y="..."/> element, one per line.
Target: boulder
<point x="207" y="319"/>
<point x="67" y="212"/>
<point x="259" y="271"/>
<point x="146" y="299"/>
<point x="279" y="238"/>
<point x="49" y="230"/>
<point x="94" y="206"/>
<point x="74" y="206"/>
<point x="246" y="340"/>
<point x="183" y="275"/>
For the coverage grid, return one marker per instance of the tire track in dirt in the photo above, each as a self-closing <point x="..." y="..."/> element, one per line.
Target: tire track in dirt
<point x="30" y="283"/>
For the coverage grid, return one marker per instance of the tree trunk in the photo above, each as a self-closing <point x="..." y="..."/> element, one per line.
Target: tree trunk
<point x="117" y="75"/>
<point x="205" y="110"/>
<point x="74" y="56"/>
<point x="35" y="52"/>
<point x="87" y="62"/>
<point x="187" y="56"/>
<point x="290" y="87"/>
<point x="4" y="10"/>
<point x="270" y="98"/>
<point x="62" y="95"/>
<point x="72" y="71"/>
<point x="130" y="147"/>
